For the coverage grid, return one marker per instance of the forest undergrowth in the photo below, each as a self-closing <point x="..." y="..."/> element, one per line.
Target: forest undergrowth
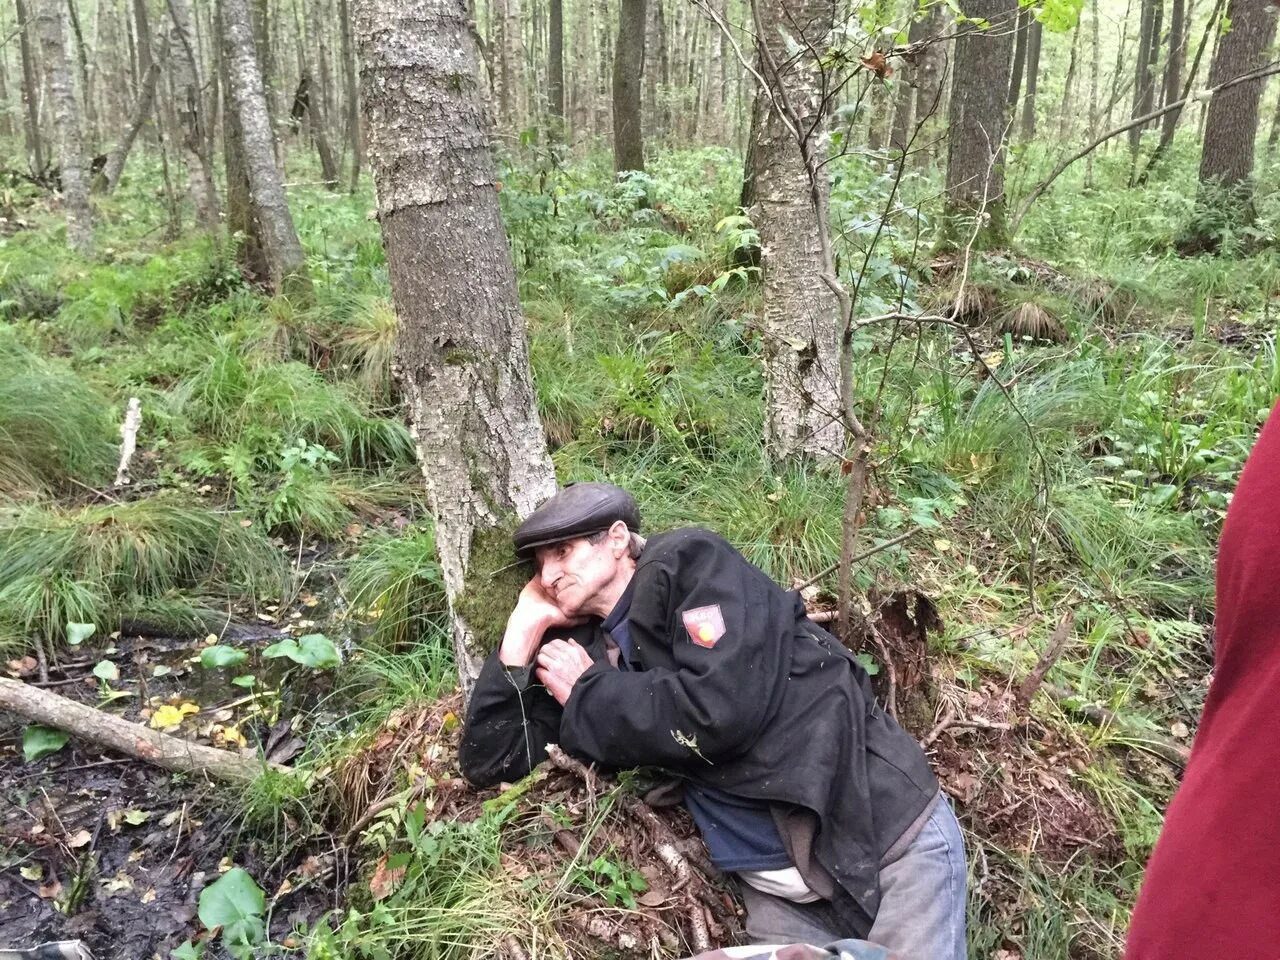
<point x="1071" y="474"/>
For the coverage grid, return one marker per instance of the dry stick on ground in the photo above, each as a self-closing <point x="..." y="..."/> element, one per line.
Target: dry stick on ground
<point x="128" y="439"/>
<point x="122" y="736"/>
<point x="1057" y="643"/>
<point x="1265" y="71"/>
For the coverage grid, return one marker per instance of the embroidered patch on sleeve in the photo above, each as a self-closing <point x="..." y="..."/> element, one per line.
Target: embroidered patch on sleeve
<point x="705" y="625"/>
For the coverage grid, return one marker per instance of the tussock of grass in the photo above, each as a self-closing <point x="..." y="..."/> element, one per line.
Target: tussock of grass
<point x="61" y="565"/>
<point x="366" y="343"/>
<point x="53" y="426"/>
<point x="394" y="585"/>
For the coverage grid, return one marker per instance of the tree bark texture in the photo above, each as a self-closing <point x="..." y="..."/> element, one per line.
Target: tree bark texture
<point x="555" y="67"/>
<point x="462" y="356"/>
<point x="30" y="92"/>
<point x="66" y="124"/>
<point x="1173" y="68"/>
<point x="930" y="71"/>
<point x="978" y="121"/>
<point x="184" y="61"/>
<point x="285" y="262"/>
<point x="628" y="75"/>
<point x="1034" y="35"/>
<point x="355" y="138"/>
<point x="141" y="110"/>
<point x="1019" y="56"/>
<point x="802" y="315"/>
<point x="131" y="739"/>
<point x="1232" y="124"/>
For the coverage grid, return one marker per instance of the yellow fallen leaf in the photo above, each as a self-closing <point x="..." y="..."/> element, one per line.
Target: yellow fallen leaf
<point x="942" y="546"/>
<point x="149" y="896"/>
<point x="32" y="871"/>
<point x="79" y="839"/>
<point x="170" y="716"/>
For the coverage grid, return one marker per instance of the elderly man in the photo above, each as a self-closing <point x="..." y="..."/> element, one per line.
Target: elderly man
<point x="678" y="653"/>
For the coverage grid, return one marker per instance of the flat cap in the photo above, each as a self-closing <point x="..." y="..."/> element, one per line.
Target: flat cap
<point x="579" y="510"/>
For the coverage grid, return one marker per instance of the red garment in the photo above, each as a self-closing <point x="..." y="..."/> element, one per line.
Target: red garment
<point x="1212" y="888"/>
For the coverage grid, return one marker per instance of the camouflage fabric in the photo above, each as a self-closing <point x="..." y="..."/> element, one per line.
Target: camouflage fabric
<point x="840" y="950"/>
<point x="60" y="950"/>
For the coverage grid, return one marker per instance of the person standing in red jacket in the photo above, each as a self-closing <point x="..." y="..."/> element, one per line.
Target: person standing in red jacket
<point x="1212" y="887"/>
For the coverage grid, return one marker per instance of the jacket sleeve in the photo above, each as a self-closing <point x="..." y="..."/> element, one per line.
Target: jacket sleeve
<point x="510" y="721"/>
<point x="712" y="705"/>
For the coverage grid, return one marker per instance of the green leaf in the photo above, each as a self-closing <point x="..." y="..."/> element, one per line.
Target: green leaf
<point x="38" y="741"/>
<point x="314" y="650"/>
<point x="106" y="670"/>
<point x="188" y="951"/>
<point x="247" y="680"/>
<point x="211" y="658"/>
<point x="236" y="904"/>
<point x="78" y="633"/>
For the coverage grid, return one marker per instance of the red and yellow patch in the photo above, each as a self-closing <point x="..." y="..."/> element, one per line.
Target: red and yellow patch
<point x="705" y="625"/>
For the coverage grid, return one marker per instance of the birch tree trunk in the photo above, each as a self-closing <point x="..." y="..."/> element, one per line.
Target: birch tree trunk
<point x="30" y="92"/>
<point x="184" y="62"/>
<point x="555" y="69"/>
<point x="142" y="109"/>
<point x="285" y="262"/>
<point x="352" y="100"/>
<point x="462" y="357"/>
<point x="978" y="121"/>
<point x="66" y="124"/>
<point x="802" y="410"/>
<point x="628" y="75"/>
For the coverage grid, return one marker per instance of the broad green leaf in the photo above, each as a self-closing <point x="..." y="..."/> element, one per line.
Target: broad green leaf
<point x="314" y="650"/>
<point x="211" y="658"/>
<point x="187" y="951"/>
<point x="78" y="633"/>
<point x="236" y="904"/>
<point x="38" y="741"/>
<point x="106" y="670"/>
<point x="246" y="680"/>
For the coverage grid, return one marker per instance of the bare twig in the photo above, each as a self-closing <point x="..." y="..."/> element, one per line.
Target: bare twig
<point x="1057" y="643"/>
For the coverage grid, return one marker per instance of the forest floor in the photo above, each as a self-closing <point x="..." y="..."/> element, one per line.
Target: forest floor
<point x="267" y="582"/>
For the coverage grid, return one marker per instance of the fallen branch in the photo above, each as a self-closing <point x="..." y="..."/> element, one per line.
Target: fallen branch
<point x="129" y="439"/>
<point x="118" y="734"/>
<point x="1057" y="643"/>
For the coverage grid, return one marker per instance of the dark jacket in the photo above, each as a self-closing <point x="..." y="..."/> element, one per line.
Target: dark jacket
<point x="774" y="709"/>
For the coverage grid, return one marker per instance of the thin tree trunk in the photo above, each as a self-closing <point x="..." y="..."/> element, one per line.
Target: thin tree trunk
<point x="1173" y="69"/>
<point x="462" y="351"/>
<point x="930" y="71"/>
<point x="1141" y="77"/>
<point x="110" y="177"/>
<point x="66" y="124"/>
<point x="82" y="62"/>
<point x="1019" y="57"/>
<point x="187" y="99"/>
<point x="352" y="102"/>
<point x="1033" y="79"/>
<point x="1273" y="137"/>
<point x="978" y="122"/>
<point x="801" y="313"/>
<point x="1093" y="87"/>
<point x="1067" y="108"/>
<point x="6" y="111"/>
<point x="628" y="75"/>
<point x="285" y="261"/>
<point x="555" y="69"/>
<point x="30" y="92"/>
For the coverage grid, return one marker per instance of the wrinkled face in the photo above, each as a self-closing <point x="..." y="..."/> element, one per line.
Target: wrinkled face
<point x="584" y="577"/>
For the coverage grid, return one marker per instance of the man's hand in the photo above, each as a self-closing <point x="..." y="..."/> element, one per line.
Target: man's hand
<point x="534" y="614"/>
<point x="560" y="664"/>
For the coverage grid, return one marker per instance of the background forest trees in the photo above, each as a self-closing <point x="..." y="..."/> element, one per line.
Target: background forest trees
<point x="960" y="318"/>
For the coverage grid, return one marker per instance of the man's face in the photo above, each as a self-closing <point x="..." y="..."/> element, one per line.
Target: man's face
<point x="577" y="575"/>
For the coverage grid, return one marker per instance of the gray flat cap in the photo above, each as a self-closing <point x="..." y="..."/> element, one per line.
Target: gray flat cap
<point x="579" y="510"/>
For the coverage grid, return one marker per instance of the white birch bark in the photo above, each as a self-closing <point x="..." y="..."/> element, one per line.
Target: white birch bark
<point x="462" y="356"/>
<point x="285" y="262"/>
<point x="802" y="416"/>
<point x="66" y="123"/>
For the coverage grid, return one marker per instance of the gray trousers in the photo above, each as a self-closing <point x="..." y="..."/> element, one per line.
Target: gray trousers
<point x="922" y="901"/>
